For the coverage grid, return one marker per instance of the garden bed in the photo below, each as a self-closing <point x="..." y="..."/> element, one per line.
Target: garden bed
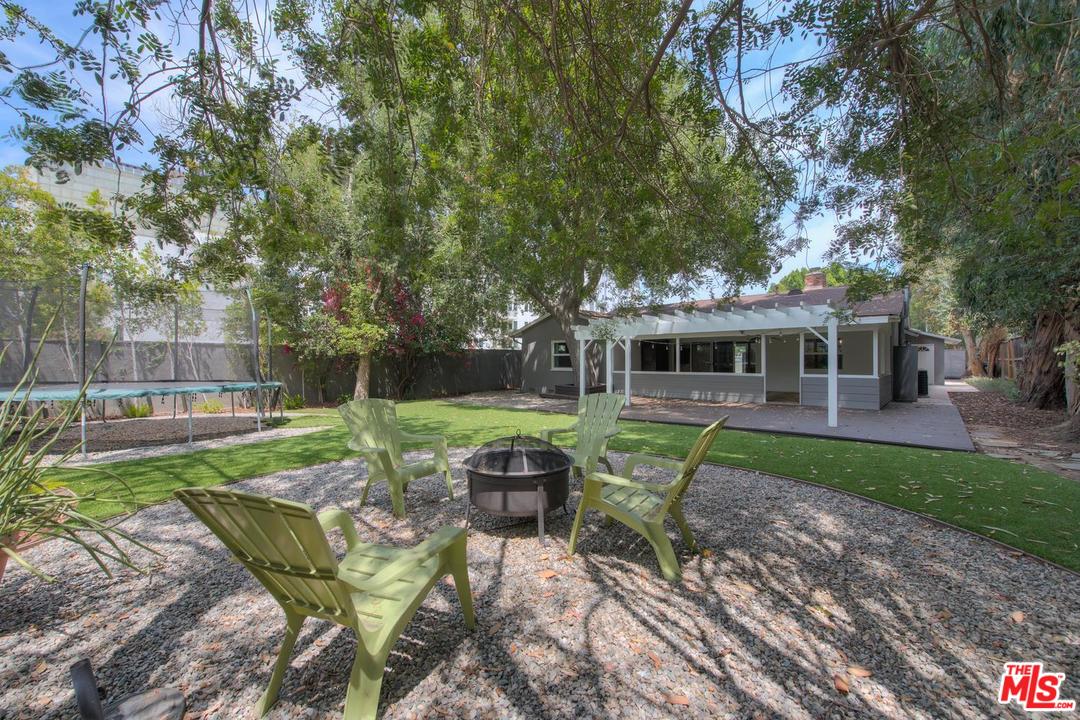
<point x="800" y="587"/>
<point x="153" y="431"/>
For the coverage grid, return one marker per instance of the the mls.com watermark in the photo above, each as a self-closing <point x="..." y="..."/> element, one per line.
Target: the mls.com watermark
<point x="1033" y="689"/>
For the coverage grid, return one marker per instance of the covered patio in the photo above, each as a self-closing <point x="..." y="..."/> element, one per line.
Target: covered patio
<point x="761" y="353"/>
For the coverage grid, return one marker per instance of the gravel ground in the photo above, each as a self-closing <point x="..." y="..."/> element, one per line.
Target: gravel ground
<point x="138" y="453"/>
<point x="799" y="585"/>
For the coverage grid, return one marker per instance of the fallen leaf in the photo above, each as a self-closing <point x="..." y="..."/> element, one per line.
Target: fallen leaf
<point x="858" y="671"/>
<point x="841" y="684"/>
<point x="1017" y="616"/>
<point x="706" y="552"/>
<point x="657" y="663"/>
<point x="547" y="574"/>
<point x="677" y="700"/>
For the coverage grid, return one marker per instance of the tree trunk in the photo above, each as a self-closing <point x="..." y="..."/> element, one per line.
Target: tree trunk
<point x="1042" y="380"/>
<point x="363" y="378"/>
<point x="990" y="348"/>
<point x="974" y="361"/>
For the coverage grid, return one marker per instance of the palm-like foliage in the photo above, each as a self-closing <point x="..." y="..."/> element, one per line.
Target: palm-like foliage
<point x="34" y="509"/>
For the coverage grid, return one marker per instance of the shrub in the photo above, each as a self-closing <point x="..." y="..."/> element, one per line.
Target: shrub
<point x="138" y="410"/>
<point x="293" y="402"/>
<point x="32" y="509"/>
<point x="212" y="406"/>
<point x="1001" y="386"/>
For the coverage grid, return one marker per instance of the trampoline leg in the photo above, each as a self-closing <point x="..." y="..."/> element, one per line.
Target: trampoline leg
<point x="191" y="404"/>
<point x="232" y="401"/>
<point x="82" y="426"/>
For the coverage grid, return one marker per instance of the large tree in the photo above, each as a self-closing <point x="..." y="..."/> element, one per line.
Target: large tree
<point x="595" y="156"/>
<point x="935" y="128"/>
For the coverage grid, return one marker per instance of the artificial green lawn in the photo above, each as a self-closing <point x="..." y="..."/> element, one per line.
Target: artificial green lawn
<point x="1019" y="505"/>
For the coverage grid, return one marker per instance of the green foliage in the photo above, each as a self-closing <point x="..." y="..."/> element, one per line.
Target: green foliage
<point x="293" y="402"/>
<point x="836" y="274"/>
<point x="212" y="406"/>
<point x="136" y="409"/>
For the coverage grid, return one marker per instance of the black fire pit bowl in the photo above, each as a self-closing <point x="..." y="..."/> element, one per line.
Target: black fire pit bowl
<point x="518" y="476"/>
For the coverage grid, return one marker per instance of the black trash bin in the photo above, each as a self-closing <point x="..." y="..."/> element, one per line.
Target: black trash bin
<point x="924" y="383"/>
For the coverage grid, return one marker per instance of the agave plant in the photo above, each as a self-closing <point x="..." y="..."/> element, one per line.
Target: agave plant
<point x="33" y="508"/>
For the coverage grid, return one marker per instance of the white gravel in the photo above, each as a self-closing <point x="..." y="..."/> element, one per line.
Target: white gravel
<point x="800" y="584"/>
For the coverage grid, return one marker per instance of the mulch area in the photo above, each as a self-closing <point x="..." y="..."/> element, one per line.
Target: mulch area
<point x="809" y="604"/>
<point x="144" y="432"/>
<point x="1027" y="426"/>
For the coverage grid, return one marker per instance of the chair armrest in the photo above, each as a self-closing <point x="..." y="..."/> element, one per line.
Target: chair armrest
<point x="380" y="454"/>
<point x="337" y="518"/>
<point x="405" y="562"/>
<point x="633" y="461"/>
<point x="607" y="479"/>
<point x="547" y="433"/>
<point x="613" y="432"/>
<point x="409" y="437"/>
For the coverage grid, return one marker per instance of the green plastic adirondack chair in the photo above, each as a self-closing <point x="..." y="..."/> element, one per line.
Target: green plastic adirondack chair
<point x="643" y="506"/>
<point x="373" y="589"/>
<point x="597" y="415"/>
<point x="378" y="439"/>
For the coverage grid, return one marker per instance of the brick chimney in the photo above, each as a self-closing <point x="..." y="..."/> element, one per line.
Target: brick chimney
<point x="814" y="281"/>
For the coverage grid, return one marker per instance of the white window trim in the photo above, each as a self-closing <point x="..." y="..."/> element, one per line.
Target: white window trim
<point x="567" y="354"/>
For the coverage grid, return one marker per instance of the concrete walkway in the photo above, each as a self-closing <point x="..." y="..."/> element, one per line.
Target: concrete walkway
<point x="931" y="422"/>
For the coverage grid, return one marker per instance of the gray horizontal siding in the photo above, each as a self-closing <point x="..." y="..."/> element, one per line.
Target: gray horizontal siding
<point x="714" y="388"/>
<point x="855" y="393"/>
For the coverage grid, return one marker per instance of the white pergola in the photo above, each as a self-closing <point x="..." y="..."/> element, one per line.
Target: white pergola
<point x="756" y="320"/>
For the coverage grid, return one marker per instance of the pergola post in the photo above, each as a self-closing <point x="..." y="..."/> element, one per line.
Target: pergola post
<point x="627" y="344"/>
<point x="609" y="371"/>
<point x="834" y="380"/>
<point x="581" y="367"/>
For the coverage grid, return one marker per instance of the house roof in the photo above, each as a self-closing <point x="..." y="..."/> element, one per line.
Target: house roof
<point x="923" y="333"/>
<point x="888" y="304"/>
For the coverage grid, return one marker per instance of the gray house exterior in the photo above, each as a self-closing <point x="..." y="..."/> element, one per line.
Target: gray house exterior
<point x="756" y="349"/>
<point x="932" y="353"/>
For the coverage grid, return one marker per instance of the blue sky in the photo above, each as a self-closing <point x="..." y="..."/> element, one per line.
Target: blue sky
<point x="819" y="232"/>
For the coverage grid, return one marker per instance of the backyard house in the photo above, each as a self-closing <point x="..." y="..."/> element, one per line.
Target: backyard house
<point x="758" y="349"/>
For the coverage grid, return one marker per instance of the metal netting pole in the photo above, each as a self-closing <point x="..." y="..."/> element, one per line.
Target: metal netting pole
<point x="82" y="322"/>
<point x="175" y="352"/>
<point x="28" y="348"/>
<point x="83" y="273"/>
<point x="255" y="359"/>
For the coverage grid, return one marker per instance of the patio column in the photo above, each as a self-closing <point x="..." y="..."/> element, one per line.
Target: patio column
<point x="581" y="367"/>
<point x="627" y="345"/>
<point x="608" y="370"/>
<point x="834" y="380"/>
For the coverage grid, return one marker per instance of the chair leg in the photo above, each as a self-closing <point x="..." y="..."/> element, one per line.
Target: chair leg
<point x="292" y="631"/>
<point x="449" y="484"/>
<point x="684" y="528"/>
<point x="367" y="488"/>
<point x="459" y="568"/>
<point x="578" y="519"/>
<point x="365" y="683"/>
<point x="607" y="464"/>
<point x="665" y="554"/>
<point x="397" y="497"/>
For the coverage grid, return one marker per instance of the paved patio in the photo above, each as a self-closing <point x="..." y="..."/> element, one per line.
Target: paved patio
<point x="932" y="422"/>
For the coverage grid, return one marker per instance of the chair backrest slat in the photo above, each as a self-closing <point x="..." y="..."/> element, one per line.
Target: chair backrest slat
<point x="280" y="542"/>
<point x="597" y="414"/>
<point x="374" y="423"/>
<point x="693" y="461"/>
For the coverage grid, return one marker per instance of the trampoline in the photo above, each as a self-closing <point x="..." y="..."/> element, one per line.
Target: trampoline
<point x="78" y="330"/>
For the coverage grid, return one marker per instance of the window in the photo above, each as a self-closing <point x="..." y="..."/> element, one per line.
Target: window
<point x="560" y="356"/>
<point x="720" y="356"/>
<point x="816" y="354"/>
<point x="657" y="355"/>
